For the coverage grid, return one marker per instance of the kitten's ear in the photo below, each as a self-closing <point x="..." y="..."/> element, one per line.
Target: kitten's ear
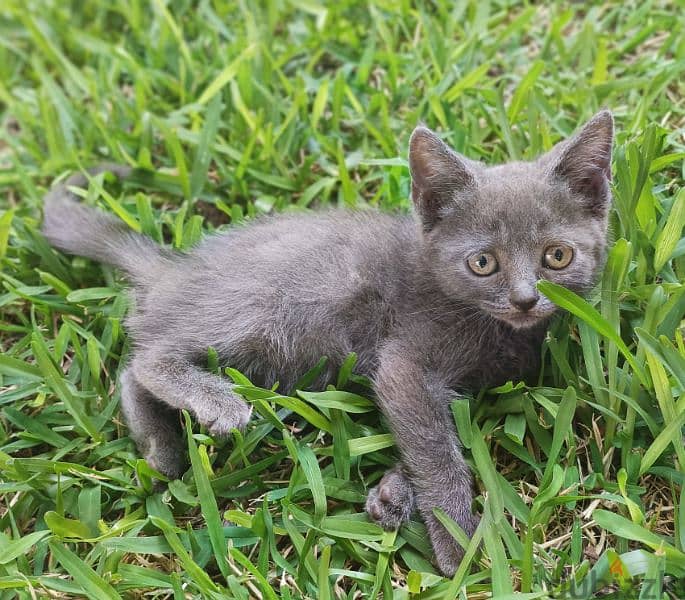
<point x="437" y="172"/>
<point x="584" y="162"/>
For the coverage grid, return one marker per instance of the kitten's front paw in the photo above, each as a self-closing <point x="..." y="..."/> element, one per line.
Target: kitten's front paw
<point x="391" y="502"/>
<point x="235" y="416"/>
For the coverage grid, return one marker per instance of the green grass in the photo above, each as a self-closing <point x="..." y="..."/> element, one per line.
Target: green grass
<point x="242" y="111"/>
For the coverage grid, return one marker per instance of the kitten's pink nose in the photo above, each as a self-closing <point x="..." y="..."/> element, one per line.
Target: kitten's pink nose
<point x="524" y="301"/>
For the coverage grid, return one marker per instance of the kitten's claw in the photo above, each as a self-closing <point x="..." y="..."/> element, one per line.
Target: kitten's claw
<point x="391" y="502"/>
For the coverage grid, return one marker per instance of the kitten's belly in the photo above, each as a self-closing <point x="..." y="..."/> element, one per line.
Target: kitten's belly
<point x="292" y="336"/>
<point x="268" y="364"/>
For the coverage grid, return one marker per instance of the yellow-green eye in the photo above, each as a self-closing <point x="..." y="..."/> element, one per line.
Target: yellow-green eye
<point x="558" y="257"/>
<point x="482" y="263"/>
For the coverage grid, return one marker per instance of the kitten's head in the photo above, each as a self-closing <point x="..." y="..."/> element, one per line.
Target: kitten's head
<point x="490" y="233"/>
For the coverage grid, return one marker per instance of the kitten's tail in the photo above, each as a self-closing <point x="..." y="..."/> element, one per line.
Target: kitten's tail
<point x="77" y="229"/>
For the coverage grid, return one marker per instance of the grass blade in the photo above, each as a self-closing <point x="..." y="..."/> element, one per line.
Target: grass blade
<point x="94" y="585"/>
<point x="210" y="510"/>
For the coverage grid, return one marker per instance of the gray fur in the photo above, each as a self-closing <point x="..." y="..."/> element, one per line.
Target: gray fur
<point x="103" y="237"/>
<point x="274" y="296"/>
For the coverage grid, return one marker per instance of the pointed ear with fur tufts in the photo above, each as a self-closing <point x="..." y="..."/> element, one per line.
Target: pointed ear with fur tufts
<point x="437" y="173"/>
<point x="583" y="162"/>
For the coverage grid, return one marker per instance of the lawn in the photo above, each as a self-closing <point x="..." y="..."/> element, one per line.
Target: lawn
<point x="236" y="109"/>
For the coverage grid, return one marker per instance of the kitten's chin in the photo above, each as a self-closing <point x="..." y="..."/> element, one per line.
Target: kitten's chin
<point x="523" y="320"/>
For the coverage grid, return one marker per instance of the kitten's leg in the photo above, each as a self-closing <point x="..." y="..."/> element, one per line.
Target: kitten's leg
<point x="416" y="405"/>
<point x="183" y="385"/>
<point x="153" y="426"/>
<point x="391" y="502"/>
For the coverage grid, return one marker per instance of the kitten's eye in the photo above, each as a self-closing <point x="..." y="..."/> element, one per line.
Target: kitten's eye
<point x="483" y="263"/>
<point x="558" y="257"/>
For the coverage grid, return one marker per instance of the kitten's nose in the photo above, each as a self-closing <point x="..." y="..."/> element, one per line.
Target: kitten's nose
<point x="524" y="301"/>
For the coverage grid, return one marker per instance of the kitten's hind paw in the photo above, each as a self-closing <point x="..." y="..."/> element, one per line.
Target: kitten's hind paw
<point x="234" y="416"/>
<point x="391" y="502"/>
<point x="169" y="462"/>
<point x="448" y="552"/>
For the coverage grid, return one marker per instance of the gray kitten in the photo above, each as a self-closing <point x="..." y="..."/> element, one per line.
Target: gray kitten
<point x="433" y="303"/>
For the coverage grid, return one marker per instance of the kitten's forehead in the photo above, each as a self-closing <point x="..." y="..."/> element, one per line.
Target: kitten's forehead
<point x="525" y="183"/>
<point x="519" y="206"/>
<point x="518" y="198"/>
